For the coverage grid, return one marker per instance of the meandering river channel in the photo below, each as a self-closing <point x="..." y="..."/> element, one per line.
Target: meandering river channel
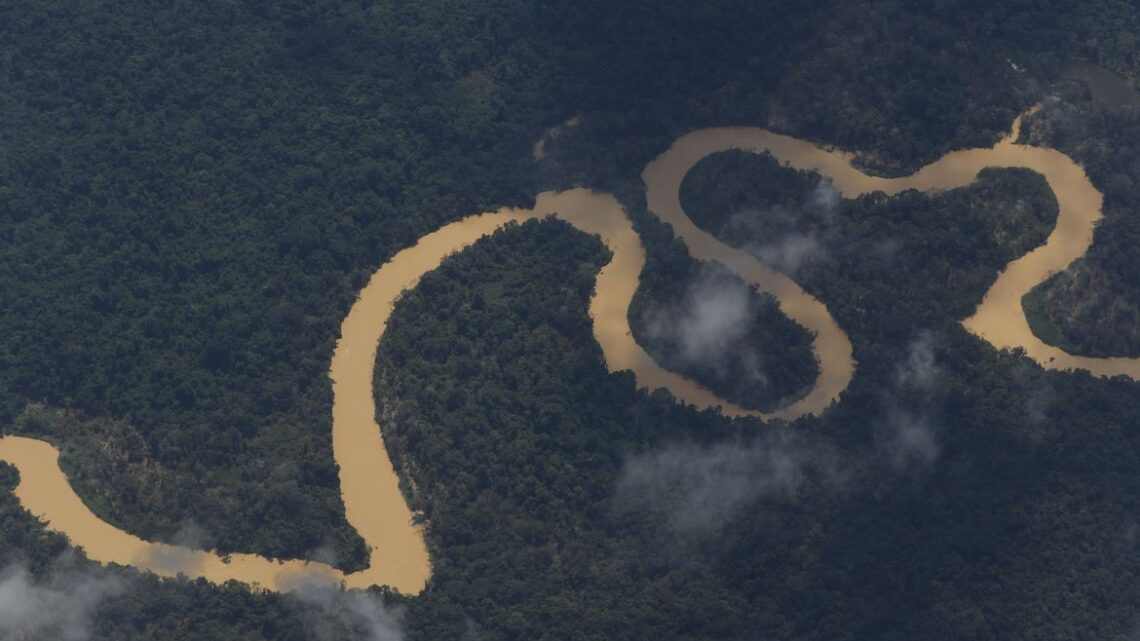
<point x="369" y="485"/>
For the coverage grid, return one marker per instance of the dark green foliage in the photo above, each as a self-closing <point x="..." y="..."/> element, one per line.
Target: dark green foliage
<point x="873" y="256"/>
<point x="520" y="295"/>
<point x="134" y="607"/>
<point x="703" y="322"/>
<point x="741" y="188"/>
<point x="191" y="194"/>
<point x="1094" y="307"/>
<point x="517" y="438"/>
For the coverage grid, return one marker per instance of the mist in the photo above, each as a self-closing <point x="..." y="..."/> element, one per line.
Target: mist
<point x="708" y="327"/>
<point x="179" y="555"/>
<point x="698" y="489"/>
<point x="908" y="434"/>
<point x="1035" y="390"/>
<point x="336" y="615"/>
<point x="60" y="607"/>
<point x="794" y="238"/>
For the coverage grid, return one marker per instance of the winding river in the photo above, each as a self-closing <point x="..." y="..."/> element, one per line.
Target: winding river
<point x="369" y="485"/>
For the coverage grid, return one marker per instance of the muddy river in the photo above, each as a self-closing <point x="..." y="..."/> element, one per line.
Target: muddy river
<point x="369" y="485"/>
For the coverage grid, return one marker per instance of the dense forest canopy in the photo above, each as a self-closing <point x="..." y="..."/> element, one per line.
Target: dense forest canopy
<point x="192" y="194"/>
<point x="1094" y="307"/>
<point x="704" y="322"/>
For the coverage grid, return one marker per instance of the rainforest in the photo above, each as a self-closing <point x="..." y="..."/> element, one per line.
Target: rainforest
<point x="436" y="320"/>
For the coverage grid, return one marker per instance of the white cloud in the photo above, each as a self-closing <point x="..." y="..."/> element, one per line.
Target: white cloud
<point x="700" y="488"/>
<point x="790" y="253"/>
<point x="918" y="370"/>
<point x="708" y="327"/>
<point x="59" y="608"/>
<point x="908" y="434"/>
<point x="785" y="247"/>
<point x="335" y="614"/>
<point x="909" y="438"/>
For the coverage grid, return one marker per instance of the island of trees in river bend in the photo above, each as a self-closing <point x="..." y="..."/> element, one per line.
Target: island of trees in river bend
<point x="192" y="195"/>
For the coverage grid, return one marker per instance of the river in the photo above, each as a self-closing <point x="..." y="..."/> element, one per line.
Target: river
<point x="369" y="484"/>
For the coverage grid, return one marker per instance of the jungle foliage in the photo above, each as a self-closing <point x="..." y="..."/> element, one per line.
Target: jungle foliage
<point x="700" y="320"/>
<point x="1094" y="306"/>
<point x="191" y="195"/>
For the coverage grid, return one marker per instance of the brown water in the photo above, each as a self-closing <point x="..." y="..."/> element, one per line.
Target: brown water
<point x="999" y="319"/>
<point x="663" y="178"/>
<point x="369" y="485"/>
<point x="46" y="493"/>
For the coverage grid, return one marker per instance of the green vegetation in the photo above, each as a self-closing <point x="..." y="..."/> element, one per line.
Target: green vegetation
<point x="704" y="322"/>
<point x="192" y="194"/>
<point x="1093" y="307"/>
<point x="1084" y="310"/>
<point x="133" y="607"/>
<point x="944" y="248"/>
<point x="1043" y="327"/>
<point x="516" y="467"/>
<point x="191" y="197"/>
<point x="740" y="189"/>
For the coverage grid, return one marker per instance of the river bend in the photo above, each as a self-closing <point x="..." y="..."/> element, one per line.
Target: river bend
<point x="369" y="485"/>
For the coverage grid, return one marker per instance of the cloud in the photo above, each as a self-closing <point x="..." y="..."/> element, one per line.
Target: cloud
<point x="1036" y="392"/>
<point x="323" y="554"/>
<point x="908" y="434"/>
<point x="918" y="370"/>
<point x="59" y="608"/>
<point x="794" y="238"/>
<point x="696" y="490"/>
<point x="884" y="251"/>
<point x="790" y="253"/>
<point x="909" y="438"/>
<point x="706" y="329"/>
<point x="700" y="488"/>
<point x="335" y="615"/>
<point x="825" y="199"/>
<point x="180" y="554"/>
